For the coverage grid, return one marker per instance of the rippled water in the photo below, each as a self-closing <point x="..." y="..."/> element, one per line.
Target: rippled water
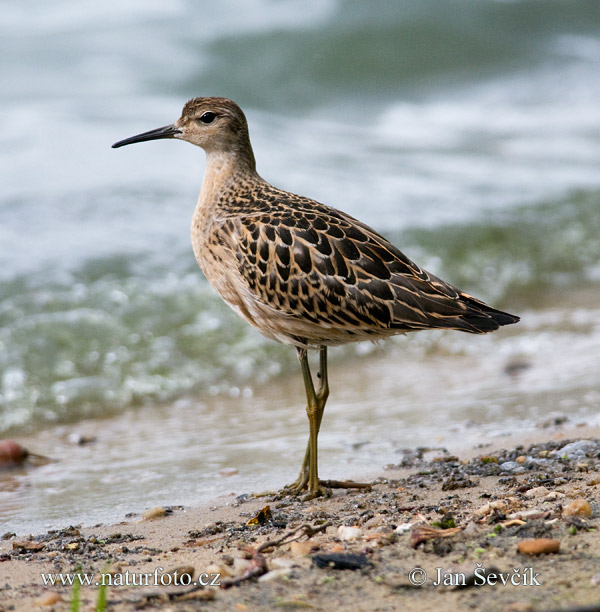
<point x="468" y="132"/>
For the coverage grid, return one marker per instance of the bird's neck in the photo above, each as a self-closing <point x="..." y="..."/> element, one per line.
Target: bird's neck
<point x="223" y="171"/>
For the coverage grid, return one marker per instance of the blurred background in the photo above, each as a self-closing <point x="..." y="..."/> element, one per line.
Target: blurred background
<point x="467" y="131"/>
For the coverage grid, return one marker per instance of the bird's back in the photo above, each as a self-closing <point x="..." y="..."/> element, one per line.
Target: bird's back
<point x="308" y="274"/>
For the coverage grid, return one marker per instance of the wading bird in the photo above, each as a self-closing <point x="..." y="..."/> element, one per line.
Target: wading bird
<point x="304" y="273"/>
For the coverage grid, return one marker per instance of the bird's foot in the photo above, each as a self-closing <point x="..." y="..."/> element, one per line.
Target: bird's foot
<point x="301" y="487"/>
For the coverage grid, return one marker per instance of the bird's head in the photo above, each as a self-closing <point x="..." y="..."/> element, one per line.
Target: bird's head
<point x="215" y="124"/>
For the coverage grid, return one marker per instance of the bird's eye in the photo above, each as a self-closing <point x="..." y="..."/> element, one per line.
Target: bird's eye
<point x="208" y="117"/>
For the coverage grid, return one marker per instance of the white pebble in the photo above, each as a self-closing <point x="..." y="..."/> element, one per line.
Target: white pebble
<point x="349" y="533"/>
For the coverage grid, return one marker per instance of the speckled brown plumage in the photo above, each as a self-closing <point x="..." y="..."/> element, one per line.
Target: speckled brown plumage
<point x="301" y="272"/>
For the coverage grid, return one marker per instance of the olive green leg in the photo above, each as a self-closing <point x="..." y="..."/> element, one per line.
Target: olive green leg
<point x="315" y="407"/>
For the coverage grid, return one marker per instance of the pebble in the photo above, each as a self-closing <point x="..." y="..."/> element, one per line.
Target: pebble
<point x="11" y="453"/>
<point x="48" y="599"/>
<point x="154" y="513"/>
<point x="538" y="546"/>
<point x="595" y="580"/>
<point x="498" y="504"/>
<point x="577" y="450"/>
<point x="28" y="545"/>
<point x="374" y="521"/>
<point x="349" y="533"/>
<point x="300" y="549"/>
<point x="80" y="439"/>
<point x="532" y="514"/>
<point x="403" y="528"/>
<point x="536" y="492"/>
<point x="578" y="507"/>
<point x="512" y="467"/>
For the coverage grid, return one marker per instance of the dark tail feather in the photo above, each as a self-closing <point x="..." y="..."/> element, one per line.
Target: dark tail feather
<point x="484" y="318"/>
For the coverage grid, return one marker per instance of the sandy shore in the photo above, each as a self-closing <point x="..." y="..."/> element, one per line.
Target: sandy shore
<point x="459" y="519"/>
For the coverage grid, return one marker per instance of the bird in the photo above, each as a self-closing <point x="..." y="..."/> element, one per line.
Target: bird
<point x="303" y="273"/>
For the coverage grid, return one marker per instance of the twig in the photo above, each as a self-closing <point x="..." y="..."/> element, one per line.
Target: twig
<point x="424" y="533"/>
<point x="345" y="484"/>
<point x="257" y="567"/>
<point x="308" y="530"/>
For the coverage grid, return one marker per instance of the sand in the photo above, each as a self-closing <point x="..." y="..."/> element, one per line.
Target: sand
<point x="435" y="532"/>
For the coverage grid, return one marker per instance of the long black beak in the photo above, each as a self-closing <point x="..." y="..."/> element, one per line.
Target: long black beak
<point x="169" y="131"/>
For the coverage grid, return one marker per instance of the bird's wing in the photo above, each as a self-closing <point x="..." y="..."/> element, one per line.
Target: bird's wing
<point x="321" y="265"/>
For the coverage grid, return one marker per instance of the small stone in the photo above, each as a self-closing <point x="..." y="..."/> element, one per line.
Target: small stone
<point x="73" y="546"/>
<point x="536" y="492"/>
<point x="374" y="521"/>
<point x="577" y="450"/>
<point x="403" y="528"/>
<point x="554" y="495"/>
<point x="341" y="561"/>
<point x="521" y="459"/>
<point x="512" y="467"/>
<point x="595" y="580"/>
<point x="578" y="507"/>
<point x="154" y="513"/>
<point x="582" y="466"/>
<point x="48" y="599"/>
<point x="275" y="574"/>
<point x="538" y="546"/>
<point x="80" y="439"/>
<point x="28" y="545"/>
<point x="349" y="533"/>
<point x="530" y="514"/>
<point x="496" y="505"/>
<point x="11" y="453"/>
<point x="301" y="549"/>
<point x="593" y="482"/>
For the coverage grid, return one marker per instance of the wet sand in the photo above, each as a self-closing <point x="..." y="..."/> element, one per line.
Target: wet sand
<point x="462" y="513"/>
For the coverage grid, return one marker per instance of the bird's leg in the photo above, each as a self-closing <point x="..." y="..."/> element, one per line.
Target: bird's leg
<point x="316" y="401"/>
<point x="321" y="395"/>
<point x="315" y="407"/>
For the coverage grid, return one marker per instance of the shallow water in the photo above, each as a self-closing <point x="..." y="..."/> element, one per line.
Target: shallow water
<point x="468" y="132"/>
<point x="452" y="390"/>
